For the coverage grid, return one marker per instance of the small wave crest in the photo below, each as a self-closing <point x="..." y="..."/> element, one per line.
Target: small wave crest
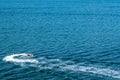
<point x="45" y="63"/>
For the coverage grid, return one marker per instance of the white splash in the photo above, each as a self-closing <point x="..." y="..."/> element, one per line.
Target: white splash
<point x="21" y="59"/>
<point x="44" y="63"/>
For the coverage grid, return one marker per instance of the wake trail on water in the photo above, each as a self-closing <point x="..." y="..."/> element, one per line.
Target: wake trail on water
<point x="25" y="59"/>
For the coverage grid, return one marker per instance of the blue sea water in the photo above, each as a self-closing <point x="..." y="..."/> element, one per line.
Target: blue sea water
<point x="69" y="39"/>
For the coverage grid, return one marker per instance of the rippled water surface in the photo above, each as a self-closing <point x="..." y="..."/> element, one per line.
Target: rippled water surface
<point x="59" y="40"/>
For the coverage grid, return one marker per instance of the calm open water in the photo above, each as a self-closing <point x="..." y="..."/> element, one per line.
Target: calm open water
<point x="70" y="39"/>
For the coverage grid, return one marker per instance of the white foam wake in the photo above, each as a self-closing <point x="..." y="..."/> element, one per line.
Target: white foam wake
<point x="44" y="63"/>
<point x="94" y="70"/>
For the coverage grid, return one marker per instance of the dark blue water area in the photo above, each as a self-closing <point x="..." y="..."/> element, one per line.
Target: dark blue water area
<point x="85" y="32"/>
